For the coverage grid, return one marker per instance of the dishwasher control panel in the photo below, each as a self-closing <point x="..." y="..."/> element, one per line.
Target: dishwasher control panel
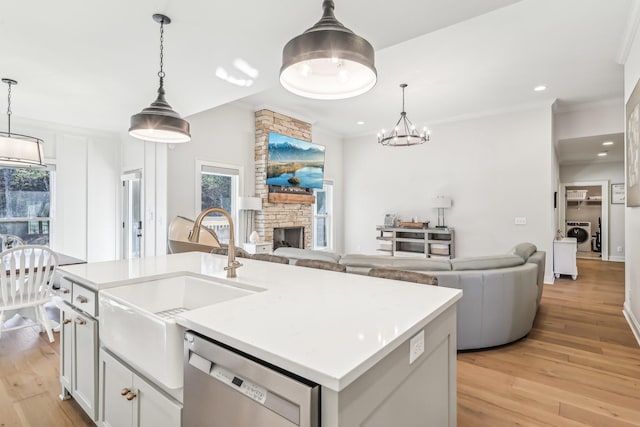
<point x="249" y="389"/>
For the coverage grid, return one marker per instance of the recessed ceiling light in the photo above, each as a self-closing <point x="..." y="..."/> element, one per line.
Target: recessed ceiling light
<point x="602" y="154"/>
<point x="359" y="122"/>
<point x="540" y="88"/>
<point x="607" y="143"/>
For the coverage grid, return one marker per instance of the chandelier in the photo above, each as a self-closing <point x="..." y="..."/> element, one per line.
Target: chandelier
<point x="404" y="133"/>
<point x="18" y="150"/>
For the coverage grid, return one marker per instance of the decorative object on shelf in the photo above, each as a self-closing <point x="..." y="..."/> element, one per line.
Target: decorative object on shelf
<point x="632" y="148"/>
<point x="249" y="205"/>
<point x="18" y="150"/>
<point x="158" y="122"/>
<point x="441" y="203"/>
<point x="328" y="61"/>
<point x="404" y="133"/>
<point x="617" y="194"/>
<point x="390" y="220"/>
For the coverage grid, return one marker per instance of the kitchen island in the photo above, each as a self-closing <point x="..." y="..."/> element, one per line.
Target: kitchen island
<point x="381" y="351"/>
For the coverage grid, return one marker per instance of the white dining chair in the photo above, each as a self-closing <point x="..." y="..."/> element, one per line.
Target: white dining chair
<point x="26" y="283"/>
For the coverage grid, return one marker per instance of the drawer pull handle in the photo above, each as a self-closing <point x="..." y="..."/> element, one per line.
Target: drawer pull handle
<point x="82" y="299"/>
<point x="65" y="291"/>
<point x="125" y="391"/>
<point x="80" y="321"/>
<point x="131" y="395"/>
<point x="66" y="321"/>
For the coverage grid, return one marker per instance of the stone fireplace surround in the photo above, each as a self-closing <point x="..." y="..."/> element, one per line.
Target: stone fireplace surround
<point x="278" y="215"/>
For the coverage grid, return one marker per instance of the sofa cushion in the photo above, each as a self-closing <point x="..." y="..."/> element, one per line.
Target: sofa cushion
<point x="399" y="263"/>
<point x="486" y="262"/>
<point x="524" y="250"/>
<point x="297" y="253"/>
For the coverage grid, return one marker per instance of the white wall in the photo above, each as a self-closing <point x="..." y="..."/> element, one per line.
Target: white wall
<point x="494" y="168"/>
<point x="612" y="172"/>
<point x="632" y="215"/>
<point x="601" y="119"/>
<point x="226" y="134"/>
<point x="85" y="204"/>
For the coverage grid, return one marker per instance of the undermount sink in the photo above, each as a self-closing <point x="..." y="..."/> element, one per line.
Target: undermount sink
<point x="137" y="322"/>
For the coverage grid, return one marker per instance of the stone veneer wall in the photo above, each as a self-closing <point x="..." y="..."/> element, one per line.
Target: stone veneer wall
<point x="279" y="214"/>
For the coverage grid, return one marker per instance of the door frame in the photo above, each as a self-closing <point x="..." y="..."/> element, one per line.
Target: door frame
<point x="604" y="214"/>
<point x="135" y="175"/>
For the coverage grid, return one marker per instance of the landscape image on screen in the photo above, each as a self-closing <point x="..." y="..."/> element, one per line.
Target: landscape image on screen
<point x="294" y="163"/>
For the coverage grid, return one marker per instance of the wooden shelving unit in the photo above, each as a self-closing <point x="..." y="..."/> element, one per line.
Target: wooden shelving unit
<point x="417" y="242"/>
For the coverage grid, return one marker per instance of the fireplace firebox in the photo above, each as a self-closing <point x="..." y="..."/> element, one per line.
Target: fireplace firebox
<point x="289" y="237"/>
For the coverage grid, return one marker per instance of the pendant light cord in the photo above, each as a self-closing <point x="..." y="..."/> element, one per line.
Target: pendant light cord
<point x="161" y="72"/>
<point x="9" y="111"/>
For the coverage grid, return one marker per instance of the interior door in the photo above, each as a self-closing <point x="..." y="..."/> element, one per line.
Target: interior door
<point x="132" y="234"/>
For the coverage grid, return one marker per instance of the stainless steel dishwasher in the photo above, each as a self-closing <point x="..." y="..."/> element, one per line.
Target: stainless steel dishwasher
<point x="224" y="388"/>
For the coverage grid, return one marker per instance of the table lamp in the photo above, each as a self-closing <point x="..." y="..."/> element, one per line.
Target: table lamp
<point x="441" y="203"/>
<point x="249" y="204"/>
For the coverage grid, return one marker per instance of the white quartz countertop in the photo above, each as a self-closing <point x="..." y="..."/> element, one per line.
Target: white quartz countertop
<point x="325" y="326"/>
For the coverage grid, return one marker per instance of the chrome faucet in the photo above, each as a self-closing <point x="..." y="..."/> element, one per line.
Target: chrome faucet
<point x="232" y="264"/>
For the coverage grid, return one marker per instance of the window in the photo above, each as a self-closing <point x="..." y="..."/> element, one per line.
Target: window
<point x="25" y="203"/>
<point x="323" y="218"/>
<point x="219" y="187"/>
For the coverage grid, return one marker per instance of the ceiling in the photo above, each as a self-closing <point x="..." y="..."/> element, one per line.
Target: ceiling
<point x="94" y="64"/>
<point x="585" y="150"/>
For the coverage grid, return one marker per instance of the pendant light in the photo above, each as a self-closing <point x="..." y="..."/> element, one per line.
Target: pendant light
<point x="158" y="122"/>
<point x="404" y="133"/>
<point x="18" y="150"/>
<point x="328" y="61"/>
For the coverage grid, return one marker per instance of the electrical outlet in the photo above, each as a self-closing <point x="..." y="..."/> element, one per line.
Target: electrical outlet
<point x="521" y="220"/>
<point x="416" y="346"/>
<point x="620" y="249"/>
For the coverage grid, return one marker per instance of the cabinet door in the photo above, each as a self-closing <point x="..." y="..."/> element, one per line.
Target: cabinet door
<point x="66" y="351"/>
<point x="154" y="409"/>
<point x="115" y="409"/>
<point x="84" y="376"/>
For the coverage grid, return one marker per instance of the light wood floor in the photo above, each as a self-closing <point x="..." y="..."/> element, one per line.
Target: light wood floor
<point x="580" y="366"/>
<point x="29" y="384"/>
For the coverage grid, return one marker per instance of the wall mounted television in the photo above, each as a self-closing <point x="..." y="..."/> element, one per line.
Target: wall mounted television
<point x="294" y="163"/>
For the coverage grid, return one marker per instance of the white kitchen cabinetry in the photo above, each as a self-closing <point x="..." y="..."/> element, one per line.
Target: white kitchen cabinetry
<point x="126" y="399"/>
<point x="79" y="348"/>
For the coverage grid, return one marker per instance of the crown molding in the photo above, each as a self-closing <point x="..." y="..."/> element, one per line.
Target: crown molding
<point x="633" y="21"/>
<point x="583" y="106"/>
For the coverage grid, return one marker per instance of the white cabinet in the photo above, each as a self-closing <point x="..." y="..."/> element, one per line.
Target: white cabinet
<point x="258" y="248"/>
<point x="129" y="400"/>
<point x="79" y="357"/>
<point x="564" y="257"/>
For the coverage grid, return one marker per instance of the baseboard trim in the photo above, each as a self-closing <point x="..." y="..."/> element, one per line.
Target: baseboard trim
<point x="616" y="258"/>
<point x="632" y="321"/>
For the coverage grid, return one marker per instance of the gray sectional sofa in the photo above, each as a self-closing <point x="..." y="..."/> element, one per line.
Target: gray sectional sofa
<point x="501" y="293"/>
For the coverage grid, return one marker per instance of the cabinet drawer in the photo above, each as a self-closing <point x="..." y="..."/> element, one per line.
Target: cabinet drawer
<point x="64" y="291"/>
<point x="263" y="249"/>
<point x="85" y="299"/>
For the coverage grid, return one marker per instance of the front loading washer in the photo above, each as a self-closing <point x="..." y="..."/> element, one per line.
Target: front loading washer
<point x="581" y="230"/>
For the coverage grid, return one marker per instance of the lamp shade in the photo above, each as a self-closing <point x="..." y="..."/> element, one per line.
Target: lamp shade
<point x="19" y="150"/>
<point x="442" y="203"/>
<point x="328" y="61"/>
<point x="160" y="123"/>
<point x="249" y="203"/>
